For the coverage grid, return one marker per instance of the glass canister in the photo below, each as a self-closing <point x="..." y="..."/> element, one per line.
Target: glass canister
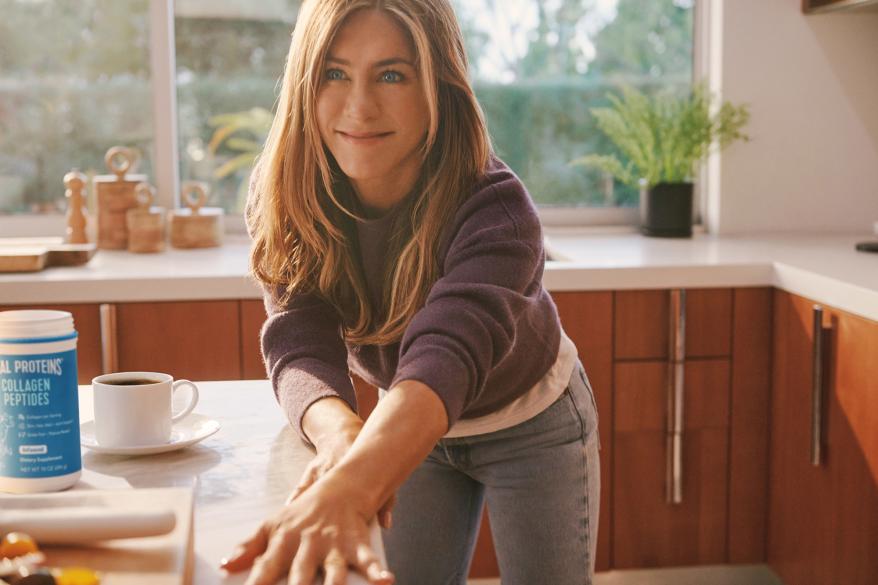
<point x="39" y="407"/>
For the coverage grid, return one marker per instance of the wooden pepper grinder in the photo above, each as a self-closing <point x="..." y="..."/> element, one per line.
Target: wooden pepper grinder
<point x="75" y="182"/>
<point x="146" y="223"/>
<point x="196" y="226"/>
<point x="115" y="194"/>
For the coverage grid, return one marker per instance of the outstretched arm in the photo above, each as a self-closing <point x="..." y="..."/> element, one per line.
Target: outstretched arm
<point x="327" y="524"/>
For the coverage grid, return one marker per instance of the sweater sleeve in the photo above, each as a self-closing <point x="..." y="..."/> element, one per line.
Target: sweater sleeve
<point x="305" y="355"/>
<point x="491" y="273"/>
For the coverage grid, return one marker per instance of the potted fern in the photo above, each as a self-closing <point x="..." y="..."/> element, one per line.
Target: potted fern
<point x="662" y="138"/>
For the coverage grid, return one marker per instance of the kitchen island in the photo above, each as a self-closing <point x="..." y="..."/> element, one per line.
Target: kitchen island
<point x="240" y="475"/>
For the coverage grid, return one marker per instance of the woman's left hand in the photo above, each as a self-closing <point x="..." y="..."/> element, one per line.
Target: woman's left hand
<point x="320" y="529"/>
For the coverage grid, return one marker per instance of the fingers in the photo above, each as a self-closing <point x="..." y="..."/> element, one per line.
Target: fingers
<point x="247" y="551"/>
<point x="275" y="562"/>
<point x="335" y="568"/>
<point x="304" y="567"/>
<point x="369" y="565"/>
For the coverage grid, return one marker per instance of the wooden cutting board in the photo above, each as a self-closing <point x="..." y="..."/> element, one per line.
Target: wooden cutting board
<point x="158" y="560"/>
<point x="34" y="254"/>
<point x="23" y="259"/>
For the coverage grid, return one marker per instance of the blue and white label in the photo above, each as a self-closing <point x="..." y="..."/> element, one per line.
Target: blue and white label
<point x="39" y="415"/>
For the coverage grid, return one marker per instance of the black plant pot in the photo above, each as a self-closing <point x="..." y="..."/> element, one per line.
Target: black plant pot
<point x="666" y="210"/>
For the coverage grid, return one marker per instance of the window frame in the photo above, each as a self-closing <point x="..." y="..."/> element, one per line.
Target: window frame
<point x="706" y="39"/>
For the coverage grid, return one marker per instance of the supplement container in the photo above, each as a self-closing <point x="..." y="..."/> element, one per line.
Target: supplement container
<point x="39" y="407"/>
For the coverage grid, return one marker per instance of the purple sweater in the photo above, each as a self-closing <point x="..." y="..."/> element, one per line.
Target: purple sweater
<point x="487" y="333"/>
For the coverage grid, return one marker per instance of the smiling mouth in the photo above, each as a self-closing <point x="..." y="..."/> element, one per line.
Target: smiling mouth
<point x="364" y="137"/>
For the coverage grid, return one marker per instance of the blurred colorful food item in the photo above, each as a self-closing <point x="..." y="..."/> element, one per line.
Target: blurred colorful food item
<point x="20" y="560"/>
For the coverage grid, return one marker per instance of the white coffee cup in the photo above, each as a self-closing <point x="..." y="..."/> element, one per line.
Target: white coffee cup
<point x="129" y="414"/>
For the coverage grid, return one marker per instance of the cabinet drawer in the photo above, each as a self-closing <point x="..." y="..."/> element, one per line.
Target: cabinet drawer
<point x="648" y="531"/>
<point x="642" y="395"/>
<point x="642" y="323"/>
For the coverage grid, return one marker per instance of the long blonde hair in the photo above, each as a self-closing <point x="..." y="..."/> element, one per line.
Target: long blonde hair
<point x="301" y="208"/>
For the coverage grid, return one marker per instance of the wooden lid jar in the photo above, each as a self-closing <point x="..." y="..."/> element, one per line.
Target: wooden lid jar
<point x="115" y="195"/>
<point x="196" y="226"/>
<point x="146" y="222"/>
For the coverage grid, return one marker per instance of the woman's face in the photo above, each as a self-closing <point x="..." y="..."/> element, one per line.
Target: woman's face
<point x="371" y="108"/>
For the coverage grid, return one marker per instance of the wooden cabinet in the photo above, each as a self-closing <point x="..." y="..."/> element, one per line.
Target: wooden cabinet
<point x="852" y="447"/>
<point x="725" y="383"/>
<point x="749" y="424"/>
<point x="823" y="525"/>
<point x="87" y="322"/>
<point x="649" y="529"/>
<point x="197" y="340"/>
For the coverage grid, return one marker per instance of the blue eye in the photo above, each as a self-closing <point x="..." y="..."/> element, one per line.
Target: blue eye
<point x="334" y="74"/>
<point x="391" y="76"/>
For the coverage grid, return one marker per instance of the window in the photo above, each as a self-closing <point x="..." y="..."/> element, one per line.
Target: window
<point x="539" y="65"/>
<point x="537" y="68"/>
<point x="74" y="81"/>
<point x="230" y="55"/>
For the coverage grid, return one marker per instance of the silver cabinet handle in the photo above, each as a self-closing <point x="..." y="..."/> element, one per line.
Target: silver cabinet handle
<point x="109" y="349"/>
<point x="817" y="389"/>
<point x="676" y="383"/>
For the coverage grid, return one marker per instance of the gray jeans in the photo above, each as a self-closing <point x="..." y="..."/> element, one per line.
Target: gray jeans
<point x="541" y="480"/>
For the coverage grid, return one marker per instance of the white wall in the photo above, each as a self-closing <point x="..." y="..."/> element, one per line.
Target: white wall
<point x="812" y="85"/>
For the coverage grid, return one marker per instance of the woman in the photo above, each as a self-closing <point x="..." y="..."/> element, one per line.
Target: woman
<point x="392" y="243"/>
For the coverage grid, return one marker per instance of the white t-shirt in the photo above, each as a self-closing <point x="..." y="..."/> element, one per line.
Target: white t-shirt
<point x="540" y="396"/>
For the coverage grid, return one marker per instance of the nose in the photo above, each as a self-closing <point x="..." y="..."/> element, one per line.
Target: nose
<point x="362" y="103"/>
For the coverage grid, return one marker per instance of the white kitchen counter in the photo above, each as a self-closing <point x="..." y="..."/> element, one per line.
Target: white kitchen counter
<point x="825" y="268"/>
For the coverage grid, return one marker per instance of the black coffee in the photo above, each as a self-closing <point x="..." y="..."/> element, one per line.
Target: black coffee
<point x="133" y="382"/>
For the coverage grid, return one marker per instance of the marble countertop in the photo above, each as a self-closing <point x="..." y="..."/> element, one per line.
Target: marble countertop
<point x="823" y="267"/>
<point x="240" y="475"/>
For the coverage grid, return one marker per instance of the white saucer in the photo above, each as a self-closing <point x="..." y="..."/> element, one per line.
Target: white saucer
<point x="192" y="429"/>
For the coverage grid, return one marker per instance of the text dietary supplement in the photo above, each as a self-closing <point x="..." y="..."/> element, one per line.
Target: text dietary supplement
<point x="39" y="408"/>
